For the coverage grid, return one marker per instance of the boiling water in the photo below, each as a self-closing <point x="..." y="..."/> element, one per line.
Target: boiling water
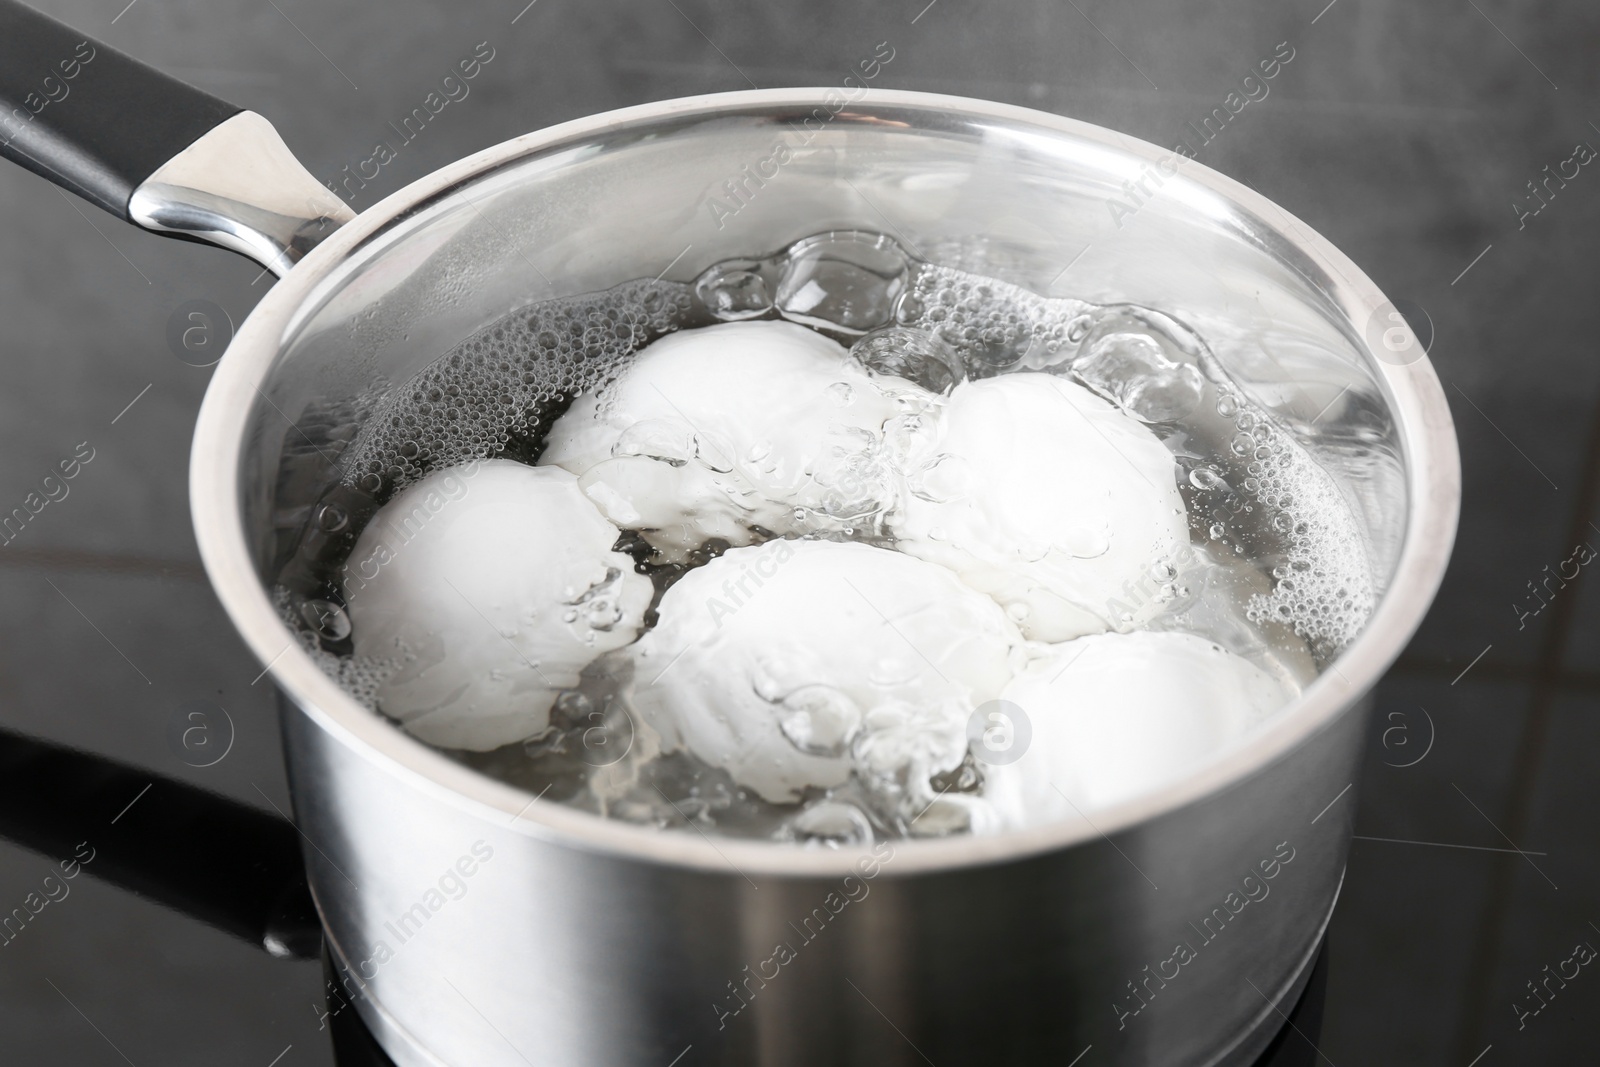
<point x="1276" y="572"/>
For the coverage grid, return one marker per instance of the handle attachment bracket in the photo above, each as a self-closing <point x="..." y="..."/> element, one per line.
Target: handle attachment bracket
<point x="240" y="187"/>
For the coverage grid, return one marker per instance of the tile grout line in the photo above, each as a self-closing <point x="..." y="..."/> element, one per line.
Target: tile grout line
<point x="1525" y="765"/>
<point x="56" y="560"/>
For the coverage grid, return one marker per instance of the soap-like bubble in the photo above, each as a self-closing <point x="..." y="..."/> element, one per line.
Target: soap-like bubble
<point x="845" y="281"/>
<point x="1130" y="370"/>
<point x="332" y="518"/>
<point x="734" y="290"/>
<point x="914" y="355"/>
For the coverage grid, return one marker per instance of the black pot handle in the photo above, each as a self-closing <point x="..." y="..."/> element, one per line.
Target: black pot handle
<point x="149" y="148"/>
<point x="87" y="117"/>
<point x="211" y="858"/>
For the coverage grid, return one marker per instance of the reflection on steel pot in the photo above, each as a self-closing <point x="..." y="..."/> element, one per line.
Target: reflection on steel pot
<point x="1165" y="932"/>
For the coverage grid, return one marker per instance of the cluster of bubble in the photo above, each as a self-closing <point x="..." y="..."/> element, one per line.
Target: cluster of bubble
<point x="993" y="324"/>
<point x="469" y="403"/>
<point x="1323" y="588"/>
<point x="312" y="622"/>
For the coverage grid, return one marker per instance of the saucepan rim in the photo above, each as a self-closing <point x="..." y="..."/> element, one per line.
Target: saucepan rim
<point x="1412" y="391"/>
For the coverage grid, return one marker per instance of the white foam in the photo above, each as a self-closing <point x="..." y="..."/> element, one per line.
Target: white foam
<point x="499" y="382"/>
<point x="1324" y="588"/>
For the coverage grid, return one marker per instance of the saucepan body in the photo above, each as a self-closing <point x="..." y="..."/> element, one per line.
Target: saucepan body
<point x="475" y="924"/>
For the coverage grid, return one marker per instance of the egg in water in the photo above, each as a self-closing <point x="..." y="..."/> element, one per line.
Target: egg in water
<point x="489" y="588"/>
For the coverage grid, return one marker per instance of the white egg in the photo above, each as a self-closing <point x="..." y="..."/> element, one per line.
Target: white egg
<point x="493" y="584"/>
<point x="794" y="663"/>
<point x="1047" y="498"/>
<point x="733" y="429"/>
<point x="1112" y="716"/>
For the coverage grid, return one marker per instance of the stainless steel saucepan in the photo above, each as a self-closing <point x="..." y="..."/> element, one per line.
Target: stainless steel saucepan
<point x="477" y="925"/>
